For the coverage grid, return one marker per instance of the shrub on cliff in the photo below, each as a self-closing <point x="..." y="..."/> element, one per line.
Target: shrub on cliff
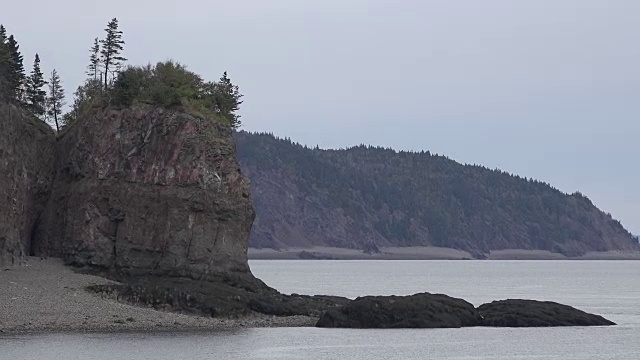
<point x="169" y="84"/>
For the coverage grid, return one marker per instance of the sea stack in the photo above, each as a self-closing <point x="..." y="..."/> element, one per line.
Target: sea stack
<point x="148" y="191"/>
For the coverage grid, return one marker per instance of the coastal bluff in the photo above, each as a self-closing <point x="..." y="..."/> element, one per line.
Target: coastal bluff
<point x="154" y="200"/>
<point x="133" y="191"/>
<point x="147" y="191"/>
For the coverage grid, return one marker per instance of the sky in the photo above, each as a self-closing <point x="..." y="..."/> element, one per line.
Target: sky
<point x="548" y="89"/>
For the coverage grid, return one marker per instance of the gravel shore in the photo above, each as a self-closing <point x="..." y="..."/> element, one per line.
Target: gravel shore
<point x="45" y="295"/>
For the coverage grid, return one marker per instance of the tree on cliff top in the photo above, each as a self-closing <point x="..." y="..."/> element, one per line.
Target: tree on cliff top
<point x="169" y="84"/>
<point x="227" y="98"/>
<point x="36" y="96"/>
<point x="12" y="76"/>
<point x="94" y="60"/>
<point x="55" y="100"/>
<point x="16" y="74"/>
<point x="111" y="49"/>
<point x="4" y="65"/>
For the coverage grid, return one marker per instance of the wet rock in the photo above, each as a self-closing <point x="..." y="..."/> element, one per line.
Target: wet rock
<point x="531" y="313"/>
<point x="227" y="295"/>
<point x="422" y="310"/>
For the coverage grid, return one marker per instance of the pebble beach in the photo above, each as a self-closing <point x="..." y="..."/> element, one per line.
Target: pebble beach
<point x="45" y="295"/>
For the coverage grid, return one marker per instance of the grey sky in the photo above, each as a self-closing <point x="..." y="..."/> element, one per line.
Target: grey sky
<point x="548" y="89"/>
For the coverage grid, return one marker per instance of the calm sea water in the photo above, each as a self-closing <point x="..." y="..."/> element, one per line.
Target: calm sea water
<point x="609" y="288"/>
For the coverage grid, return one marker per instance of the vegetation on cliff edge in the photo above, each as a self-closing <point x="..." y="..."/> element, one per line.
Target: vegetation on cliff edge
<point x="111" y="83"/>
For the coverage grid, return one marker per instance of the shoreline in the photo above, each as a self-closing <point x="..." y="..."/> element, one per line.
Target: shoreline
<point x="43" y="296"/>
<point x="423" y="253"/>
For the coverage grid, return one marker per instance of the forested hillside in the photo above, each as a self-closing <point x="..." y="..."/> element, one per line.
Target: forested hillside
<point x="369" y="197"/>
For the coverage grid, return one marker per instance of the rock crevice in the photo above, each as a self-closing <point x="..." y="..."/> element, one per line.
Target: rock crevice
<point x="26" y="175"/>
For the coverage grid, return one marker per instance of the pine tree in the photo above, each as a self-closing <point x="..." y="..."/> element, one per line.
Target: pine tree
<point x="16" y="77"/>
<point x="94" y="60"/>
<point x="227" y="98"/>
<point x="55" y="100"/>
<point x="5" y="66"/>
<point x="36" y="96"/>
<point x="111" y="49"/>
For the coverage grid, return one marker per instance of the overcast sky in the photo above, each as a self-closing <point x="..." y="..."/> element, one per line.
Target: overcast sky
<point x="548" y="89"/>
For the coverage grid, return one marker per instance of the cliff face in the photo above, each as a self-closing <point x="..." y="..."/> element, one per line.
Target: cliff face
<point x="26" y="174"/>
<point x="367" y="197"/>
<point x="148" y="191"/>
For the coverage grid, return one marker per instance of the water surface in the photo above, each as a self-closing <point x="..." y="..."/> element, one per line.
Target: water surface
<point x="609" y="288"/>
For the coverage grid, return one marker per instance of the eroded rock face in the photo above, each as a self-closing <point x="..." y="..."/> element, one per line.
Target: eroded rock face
<point x="26" y="174"/>
<point x="532" y="313"/>
<point x="147" y="191"/>
<point x="422" y="310"/>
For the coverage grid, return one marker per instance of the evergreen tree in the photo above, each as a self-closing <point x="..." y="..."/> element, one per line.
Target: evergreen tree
<point x="5" y="66"/>
<point x="227" y="98"/>
<point x="55" y="100"/>
<point x="111" y="49"/>
<point x="36" y="96"/>
<point x="94" y="60"/>
<point x="16" y="77"/>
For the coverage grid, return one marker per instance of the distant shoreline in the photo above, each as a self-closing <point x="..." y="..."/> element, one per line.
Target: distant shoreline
<point x="423" y="253"/>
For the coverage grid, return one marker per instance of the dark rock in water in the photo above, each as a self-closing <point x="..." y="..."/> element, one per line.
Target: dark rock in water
<point x="26" y="173"/>
<point x="150" y="192"/>
<point x="422" y="310"/>
<point x="531" y="313"/>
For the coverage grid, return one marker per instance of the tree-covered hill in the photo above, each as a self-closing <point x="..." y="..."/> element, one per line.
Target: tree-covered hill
<point x="369" y="197"/>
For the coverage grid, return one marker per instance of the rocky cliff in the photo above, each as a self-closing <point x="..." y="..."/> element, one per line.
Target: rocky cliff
<point x="368" y="197"/>
<point x="153" y="198"/>
<point x="148" y="196"/>
<point x="26" y="174"/>
<point x="147" y="191"/>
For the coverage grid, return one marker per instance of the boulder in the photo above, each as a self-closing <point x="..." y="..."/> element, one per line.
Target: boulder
<point x="422" y="310"/>
<point x="26" y="173"/>
<point x="532" y="313"/>
<point x="145" y="191"/>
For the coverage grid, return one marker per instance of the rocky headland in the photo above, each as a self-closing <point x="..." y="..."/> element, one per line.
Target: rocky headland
<point x="153" y="200"/>
<point x="372" y="202"/>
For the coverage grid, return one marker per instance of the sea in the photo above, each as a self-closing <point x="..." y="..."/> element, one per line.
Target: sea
<point x="608" y="288"/>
